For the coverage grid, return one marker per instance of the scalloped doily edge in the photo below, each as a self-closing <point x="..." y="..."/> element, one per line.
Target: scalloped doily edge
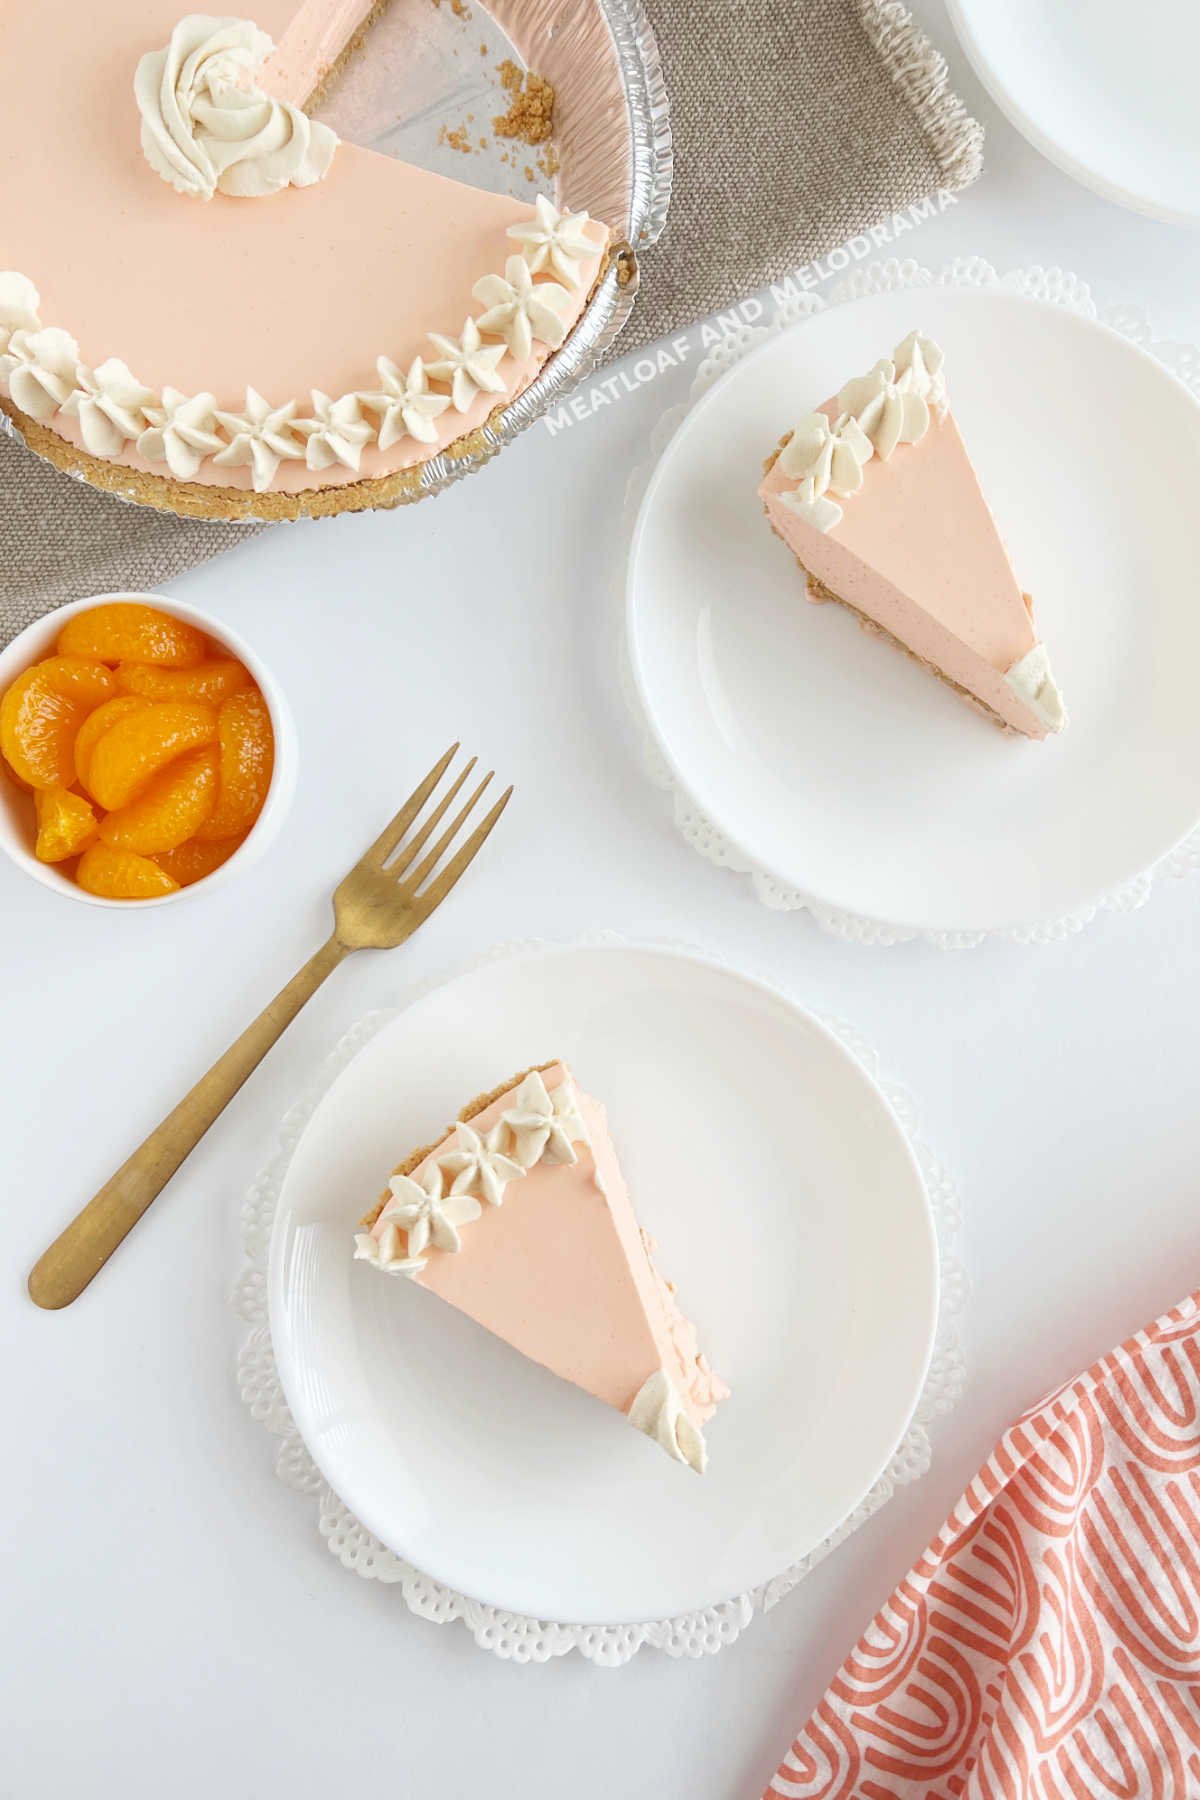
<point x="1053" y="287"/>
<point x="508" y="1635"/>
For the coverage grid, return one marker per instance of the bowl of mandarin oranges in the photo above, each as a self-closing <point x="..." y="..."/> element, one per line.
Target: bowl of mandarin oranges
<point x="145" y="752"/>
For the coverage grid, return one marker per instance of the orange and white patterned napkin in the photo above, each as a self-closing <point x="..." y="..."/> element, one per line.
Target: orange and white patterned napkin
<point x="1047" y="1645"/>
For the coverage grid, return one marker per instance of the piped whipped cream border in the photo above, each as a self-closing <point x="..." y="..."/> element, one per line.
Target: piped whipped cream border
<point x="42" y="373"/>
<point x="539" y="1125"/>
<point x="891" y="405"/>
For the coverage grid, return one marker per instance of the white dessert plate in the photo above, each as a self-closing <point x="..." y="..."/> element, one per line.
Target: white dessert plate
<point x="788" y="1207"/>
<point x="1105" y="91"/>
<point x="841" y="767"/>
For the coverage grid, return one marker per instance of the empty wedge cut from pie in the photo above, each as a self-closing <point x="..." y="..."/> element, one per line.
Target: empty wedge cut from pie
<point x="209" y="303"/>
<point x="519" y="1216"/>
<point x="876" y="497"/>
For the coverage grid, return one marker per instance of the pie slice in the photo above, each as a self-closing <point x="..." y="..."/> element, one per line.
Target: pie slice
<point x="519" y="1216"/>
<point x="875" y="496"/>
<point x="210" y="303"/>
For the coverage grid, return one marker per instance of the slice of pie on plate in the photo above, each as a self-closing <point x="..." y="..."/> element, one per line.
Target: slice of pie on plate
<point x="209" y="303"/>
<point x="875" y="496"/>
<point x="519" y="1216"/>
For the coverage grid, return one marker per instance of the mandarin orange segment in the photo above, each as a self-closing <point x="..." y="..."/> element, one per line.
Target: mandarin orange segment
<point x="170" y="808"/>
<point x="65" y="824"/>
<point x="122" y="875"/>
<point x="94" y="727"/>
<point x="142" y="742"/>
<point x="196" y="859"/>
<point x="212" y="681"/>
<point x="38" y="724"/>
<point x="247" y="761"/>
<point x="79" y="679"/>
<point x="129" y="631"/>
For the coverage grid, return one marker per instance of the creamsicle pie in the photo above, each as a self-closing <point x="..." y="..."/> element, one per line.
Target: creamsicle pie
<point x="875" y="496"/>
<point x="519" y="1217"/>
<point x="211" y="304"/>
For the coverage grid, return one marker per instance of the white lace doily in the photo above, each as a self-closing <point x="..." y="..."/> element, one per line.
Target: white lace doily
<point x="510" y="1635"/>
<point x="1053" y="287"/>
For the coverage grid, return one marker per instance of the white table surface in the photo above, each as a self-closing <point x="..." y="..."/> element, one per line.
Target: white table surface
<point x="171" y="1621"/>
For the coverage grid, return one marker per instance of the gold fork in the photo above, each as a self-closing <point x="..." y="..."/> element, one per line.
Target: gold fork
<point x="378" y="905"/>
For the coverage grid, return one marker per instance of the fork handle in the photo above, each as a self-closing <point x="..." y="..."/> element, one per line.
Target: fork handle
<point x="81" y="1251"/>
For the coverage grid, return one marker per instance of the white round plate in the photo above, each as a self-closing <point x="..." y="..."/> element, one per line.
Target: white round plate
<point x="1106" y="91"/>
<point x="844" y="769"/>
<point x="788" y="1207"/>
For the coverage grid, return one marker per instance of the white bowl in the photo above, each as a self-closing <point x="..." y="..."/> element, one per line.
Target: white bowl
<point x="38" y="640"/>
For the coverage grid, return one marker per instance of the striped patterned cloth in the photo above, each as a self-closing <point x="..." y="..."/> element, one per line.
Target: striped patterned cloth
<point x="1047" y="1645"/>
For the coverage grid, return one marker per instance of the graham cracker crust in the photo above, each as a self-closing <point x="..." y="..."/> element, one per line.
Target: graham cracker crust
<point x="820" y="594"/>
<point x="468" y="1112"/>
<point x="353" y="47"/>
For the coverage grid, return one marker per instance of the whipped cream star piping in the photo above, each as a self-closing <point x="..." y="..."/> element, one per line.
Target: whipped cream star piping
<point x="110" y="404"/>
<point x="480" y="1165"/>
<point x="336" y="432"/>
<point x="919" y="369"/>
<point x="889" y="413"/>
<point x="468" y="364"/>
<point x="545" y="1124"/>
<point x="658" y="1411"/>
<point x="824" y="458"/>
<point x="426" y="1213"/>
<point x="263" y="436"/>
<point x="404" y="403"/>
<point x="555" y="241"/>
<point x="207" y="127"/>
<point x="1031" y="680"/>
<point x="891" y="405"/>
<point x="39" y="370"/>
<point x="387" y="1252"/>
<point x="520" y="309"/>
<point x="181" y="432"/>
<point x="18" y="306"/>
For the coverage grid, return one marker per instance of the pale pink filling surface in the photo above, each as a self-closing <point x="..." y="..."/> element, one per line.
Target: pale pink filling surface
<point x="299" y="290"/>
<point x="917" y="551"/>
<point x="561" y="1272"/>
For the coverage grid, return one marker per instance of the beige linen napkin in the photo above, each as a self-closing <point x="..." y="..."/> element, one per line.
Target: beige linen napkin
<point x="797" y="124"/>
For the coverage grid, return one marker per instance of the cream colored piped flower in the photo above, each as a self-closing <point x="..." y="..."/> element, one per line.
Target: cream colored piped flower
<point x="520" y="309"/>
<point x="386" y="1252"/>
<point x="110" y="404"/>
<point x="181" y="432"/>
<point x="468" y="364"/>
<point x="404" y="404"/>
<point x="19" y="303"/>
<point x="336" y="432"/>
<point x="555" y="241"/>
<point x="889" y="412"/>
<point x="427" y="1213"/>
<point x="545" y="1124"/>
<point x="208" y="127"/>
<point x="920" y="369"/>
<point x="263" y="436"/>
<point x="38" y="369"/>
<point x="825" y="459"/>
<point x="480" y="1165"/>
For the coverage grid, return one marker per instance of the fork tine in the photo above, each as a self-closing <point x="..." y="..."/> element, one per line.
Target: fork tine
<point x="409" y="850"/>
<point x="430" y="862"/>
<point x="391" y="834"/>
<point x="437" y="890"/>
